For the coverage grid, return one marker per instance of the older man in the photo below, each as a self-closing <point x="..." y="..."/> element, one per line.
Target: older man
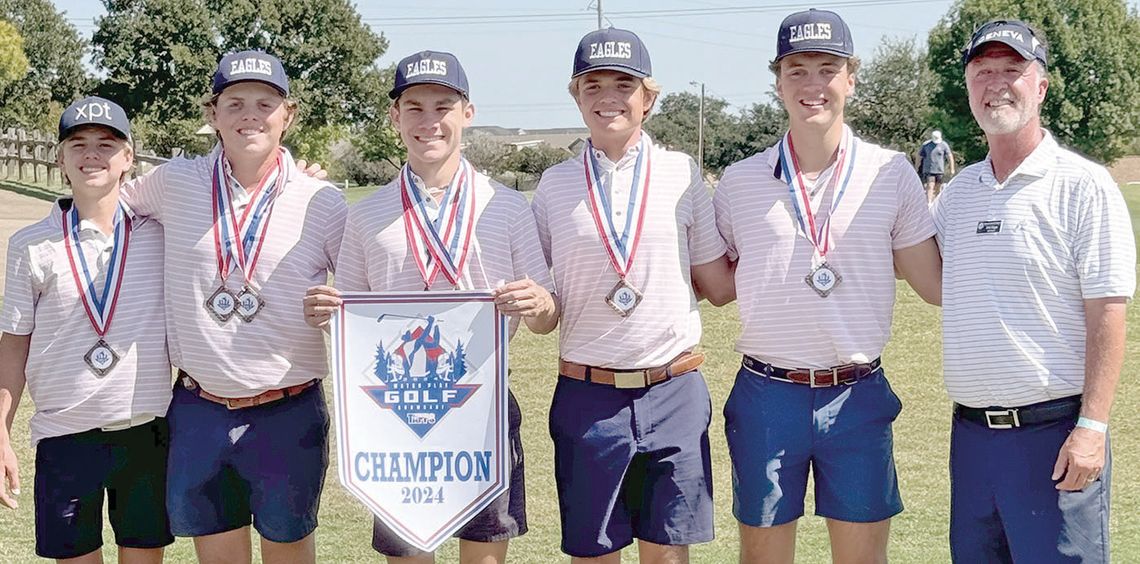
<point x="1039" y="265"/>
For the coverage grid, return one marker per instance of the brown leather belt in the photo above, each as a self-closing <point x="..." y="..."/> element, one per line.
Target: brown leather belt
<point x="263" y="398"/>
<point x="684" y="363"/>
<point x="816" y="378"/>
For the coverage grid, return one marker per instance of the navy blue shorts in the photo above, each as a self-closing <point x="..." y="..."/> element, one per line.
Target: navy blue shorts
<point x="632" y="463"/>
<point x="1004" y="506"/>
<point x="503" y="519"/>
<point x="778" y="431"/>
<point x="74" y="471"/>
<point x="267" y="461"/>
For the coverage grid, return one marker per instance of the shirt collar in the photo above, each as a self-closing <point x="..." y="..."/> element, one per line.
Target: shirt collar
<point x="1036" y="165"/>
<point x="627" y="159"/>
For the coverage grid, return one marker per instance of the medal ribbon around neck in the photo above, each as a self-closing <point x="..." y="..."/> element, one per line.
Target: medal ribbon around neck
<point x="820" y="236"/>
<point x="253" y="224"/>
<point x="100" y="304"/>
<point x="440" y="244"/>
<point x="621" y="247"/>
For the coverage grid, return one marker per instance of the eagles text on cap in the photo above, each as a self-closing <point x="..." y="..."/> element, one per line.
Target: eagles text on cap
<point x="612" y="49"/>
<point x="94" y="110"/>
<point x="430" y="67"/>
<point x="247" y="66"/>
<point x="814" y="31"/>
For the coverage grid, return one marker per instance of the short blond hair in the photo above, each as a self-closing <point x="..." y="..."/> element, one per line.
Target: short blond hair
<point x="853" y="64"/>
<point x="649" y="83"/>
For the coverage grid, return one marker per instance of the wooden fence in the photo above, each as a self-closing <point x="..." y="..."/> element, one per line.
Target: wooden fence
<point x="30" y="157"/>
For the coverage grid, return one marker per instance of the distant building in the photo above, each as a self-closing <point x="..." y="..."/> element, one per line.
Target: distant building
<point x="569" y="138"/>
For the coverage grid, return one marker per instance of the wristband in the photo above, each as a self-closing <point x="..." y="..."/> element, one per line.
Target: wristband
<point x="1092" y="424"/>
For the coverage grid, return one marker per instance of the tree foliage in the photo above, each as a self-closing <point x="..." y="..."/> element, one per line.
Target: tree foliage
<point x="1094" y="71"/>
<point x="728" y="138"/>
<point x="13" y="61"/>
<point x="892" y="102"/>
<point x="55" y="75"/>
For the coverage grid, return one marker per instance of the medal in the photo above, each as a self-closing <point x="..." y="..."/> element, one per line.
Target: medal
<point x="98" y="303"/>
<point x="238" y="242"/>
<point x="823" y="278"/>
<point x="623" y="298"/>
<point x="101" y="358"/>
<point x="621" y="247"/>
<point x="249" y="303"/>
<point x="440" y="243"/>
<point x="221" y="304"/>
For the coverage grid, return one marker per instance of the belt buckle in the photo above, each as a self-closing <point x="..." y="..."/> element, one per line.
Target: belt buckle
<point x="834" y="378"/>
<point x="240" y="403"/>
<point x="630" y="380"/>
<point x="117" y="426"/>
<point x="992" y="415"/>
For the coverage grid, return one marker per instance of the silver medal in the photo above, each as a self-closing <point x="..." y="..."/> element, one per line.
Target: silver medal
<point x="249" y="303"/>
<point x="221" y="304"/>
<point x="624" y="298"/>
<point x="101" y="358"/>
<point x="823" y="279"/>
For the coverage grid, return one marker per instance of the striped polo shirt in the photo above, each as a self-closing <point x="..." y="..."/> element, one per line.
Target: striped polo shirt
<point x="1019" y="259"/>
<point x="41" y="299"/>
<point x="277" y="349"/>
<point x="785" y="322"/>
<point x="375" y="255"/>
<point x="679" y="231"/>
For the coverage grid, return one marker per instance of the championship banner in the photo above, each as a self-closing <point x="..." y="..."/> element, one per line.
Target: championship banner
<point x="420" y="385"/>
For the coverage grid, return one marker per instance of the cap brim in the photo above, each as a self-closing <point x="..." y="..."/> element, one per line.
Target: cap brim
<point x="118" y="132"/>
<point x="619" y="68"/>
<point x="275" y="86"/>
<point x="395" y="92"/>
<point x="826" y="50"/>
<point x="973" y="51"/>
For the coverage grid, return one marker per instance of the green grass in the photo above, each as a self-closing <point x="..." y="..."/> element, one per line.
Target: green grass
<point x="913" y="361"/>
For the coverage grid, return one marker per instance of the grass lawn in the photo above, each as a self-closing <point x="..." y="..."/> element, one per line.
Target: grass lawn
<point x="913" y="361"/>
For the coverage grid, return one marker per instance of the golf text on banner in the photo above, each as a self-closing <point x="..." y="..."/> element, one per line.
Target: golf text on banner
<point x="420" y="382"/>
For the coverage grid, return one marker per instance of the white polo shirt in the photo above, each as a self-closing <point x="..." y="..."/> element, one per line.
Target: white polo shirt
<point x="785" y="322"/>
<point x="1019" y="259"/>
<point x="277" y="349"/>
<point x="41" y="299"/>
<point x="679" y="231"/>
<point x="375" y="255"/>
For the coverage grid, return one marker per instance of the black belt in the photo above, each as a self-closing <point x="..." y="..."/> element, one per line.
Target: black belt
<point x="1013" y="417"/>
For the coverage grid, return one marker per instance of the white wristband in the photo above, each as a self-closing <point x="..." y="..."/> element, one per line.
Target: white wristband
<point x="1092" y="424"/>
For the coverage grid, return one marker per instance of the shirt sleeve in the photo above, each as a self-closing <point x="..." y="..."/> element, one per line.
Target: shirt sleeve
<point x="1104" y="248"/>
<point x="705" y="242"/>
<point x="938" y="214"/>
<point x="527" y="256"/>
<point x="335" y="227"/>
<point x="18" y="314"/>
<point x="145" y="194"/>
<point x="913" y="223"/>
<point x="351" y="262"/>
<point x="723" y="210"/>
<point x="538" y="206"/>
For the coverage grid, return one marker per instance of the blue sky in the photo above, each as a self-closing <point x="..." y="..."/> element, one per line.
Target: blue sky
<point x="518" y="69"/>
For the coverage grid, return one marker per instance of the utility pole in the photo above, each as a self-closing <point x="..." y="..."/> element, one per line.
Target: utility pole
<point x="598" y="3"/>
<point x="701" y="129"/>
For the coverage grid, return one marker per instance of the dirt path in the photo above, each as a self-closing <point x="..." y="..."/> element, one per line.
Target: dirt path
<point x="17" y="211"/>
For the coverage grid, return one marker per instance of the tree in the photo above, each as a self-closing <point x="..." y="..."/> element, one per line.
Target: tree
<point x="892" y="98"/>
<point x="55" y="75"/>
<point x="13" y="62"/>
<point x="1094" y="72"/>
<point x="728" y="137"/>
<point x="536" y="159"/>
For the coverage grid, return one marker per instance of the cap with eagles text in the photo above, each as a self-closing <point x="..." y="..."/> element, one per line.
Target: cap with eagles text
<point x="430" y="67"/>
<point x="814" y="31"/>
<point x="1017" y="34"/>
<point x="94" y="110"/>
<point x="247" y="66"/>
<point x="612" y="49"/>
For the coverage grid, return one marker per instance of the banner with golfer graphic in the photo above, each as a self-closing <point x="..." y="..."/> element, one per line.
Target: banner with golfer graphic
<point x="420" y="381"/>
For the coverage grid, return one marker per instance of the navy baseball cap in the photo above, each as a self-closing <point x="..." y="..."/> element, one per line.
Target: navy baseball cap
<point x="247" y="66"/>
<point x="1017" y="34"/>
<point x="94" y="110"/>
<point x="814" y="31"/>
<point x="430" y="67"/>
<point x="612" y="49"/>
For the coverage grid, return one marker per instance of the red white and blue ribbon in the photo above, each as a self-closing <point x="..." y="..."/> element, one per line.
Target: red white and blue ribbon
<point x="440" y="241"/>
<point x="819" y="235"/>
<point x="621" y="246"/>
<point x="238" y="241"/>
<point x="99" y="302"/>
